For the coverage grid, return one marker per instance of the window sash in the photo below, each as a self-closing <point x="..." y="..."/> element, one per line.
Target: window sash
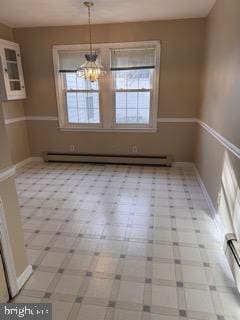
<point x="78" y="109"/>
<point x="136" y="124"/>
<point x="68" y="109"/>
<point x="133" y="124"/>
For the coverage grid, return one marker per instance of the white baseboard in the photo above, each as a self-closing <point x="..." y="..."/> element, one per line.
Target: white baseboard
<point x="214" y="214"/>
<point x="21" y="280"/>
<point x="27" y="161"/>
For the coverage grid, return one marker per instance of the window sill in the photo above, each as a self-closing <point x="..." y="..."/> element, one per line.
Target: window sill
<point x="115" y="130"/>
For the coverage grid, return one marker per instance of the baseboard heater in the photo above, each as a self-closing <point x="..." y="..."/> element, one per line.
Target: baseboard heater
<point x="232" y="251"/>
<point x="108" y="159"/>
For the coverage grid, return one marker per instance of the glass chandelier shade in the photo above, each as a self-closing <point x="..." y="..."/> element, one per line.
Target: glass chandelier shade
<point x="91" y="70"/>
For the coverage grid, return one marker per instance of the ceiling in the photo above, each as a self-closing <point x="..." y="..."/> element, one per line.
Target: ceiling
<point x="31" y="13"/>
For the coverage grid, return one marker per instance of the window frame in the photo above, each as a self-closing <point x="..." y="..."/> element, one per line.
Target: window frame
<point x="107" y="108"/>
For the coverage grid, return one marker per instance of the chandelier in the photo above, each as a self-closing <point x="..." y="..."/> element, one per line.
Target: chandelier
<point x="91" y="70"/>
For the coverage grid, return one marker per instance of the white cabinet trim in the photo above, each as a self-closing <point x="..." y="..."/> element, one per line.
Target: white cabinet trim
<point x="6" y="92"/>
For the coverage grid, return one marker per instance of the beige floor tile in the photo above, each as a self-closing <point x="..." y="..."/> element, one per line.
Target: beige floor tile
<point x="164" y="271"/>
<point x="199" y="300"/>
<point x="51" y="226"/>
<point x="194" y="274"/>
<point x="187" y="237"/>
<point x="162" y="222"/>
<point x="33" y="255"/>
<point x="91" y="312"/>
<point x="162" y="235"/>
<point x="79" y="262"/>
<point x="53" y="259"/>
<point x="184" y="223"/>
<point x="131" y="292"/>
<point x="231" y="304"/>
<point x="87" y="244"/>
<point x="39" y="281"/>
<point x="61" y="310"/>
<point x="162" y="251"/>
<point x="64" y="242"/>
<point x="99" y="288"/>
<point x="111" y="246"/>
<point x="137" y="249"/>
<point x="162" y="317"/>
<point x="41" y="240"/>
<point x="134" y="268"/>
<point x="69" y="284"/>
<point x="191" y="254"/>
<point x="164" y="296"/>
<point x="127" y="315"/>
<point x="107" y="265"/>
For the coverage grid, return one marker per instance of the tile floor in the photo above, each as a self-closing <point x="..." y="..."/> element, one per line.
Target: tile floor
<point x="112" y="242"/>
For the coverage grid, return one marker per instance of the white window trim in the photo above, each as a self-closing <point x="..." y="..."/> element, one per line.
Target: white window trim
<point x="106" y="101"/>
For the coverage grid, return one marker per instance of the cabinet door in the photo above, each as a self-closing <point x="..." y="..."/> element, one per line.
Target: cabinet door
<point x="13" y="73"/>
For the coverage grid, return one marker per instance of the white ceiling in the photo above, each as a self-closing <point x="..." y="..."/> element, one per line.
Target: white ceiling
<point x="30" y="13"/>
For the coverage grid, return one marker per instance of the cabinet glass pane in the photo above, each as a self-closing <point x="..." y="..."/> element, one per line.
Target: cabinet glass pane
<point x="15" y="85"/>
<point x="12" y="69"/>
<point x="10" y="54"/>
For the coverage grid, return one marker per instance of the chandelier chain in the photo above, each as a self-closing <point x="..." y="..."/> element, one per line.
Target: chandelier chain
<point x="90" y="29"/>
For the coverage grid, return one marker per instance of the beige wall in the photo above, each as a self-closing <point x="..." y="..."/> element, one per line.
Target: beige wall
<point x="17" y="135"/>
<point x="5" y="32"/>
<point x="181" y="62"/>
<point x="18" y="141"/>
<point x="5" y="158"/>
<point x="219" y="168"/>
<point x="178" y="138"/>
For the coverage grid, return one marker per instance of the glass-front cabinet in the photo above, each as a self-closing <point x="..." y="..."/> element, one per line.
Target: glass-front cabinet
<point x="12" y="85"/>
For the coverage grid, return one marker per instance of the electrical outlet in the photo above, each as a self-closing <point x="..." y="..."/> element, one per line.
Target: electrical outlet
<point x="72" y="147"/>
<point x="134" y="149"/>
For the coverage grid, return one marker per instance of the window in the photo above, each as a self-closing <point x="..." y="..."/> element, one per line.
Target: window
<point x="133" y="84"/>
<point x="125" y="98"/>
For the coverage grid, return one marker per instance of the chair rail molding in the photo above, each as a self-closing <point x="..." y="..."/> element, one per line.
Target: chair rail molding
<point x="177" y="120"/>
<point x="7" y="173"/>
<point x="225" y="142"/>
<point x="31" y="118"/>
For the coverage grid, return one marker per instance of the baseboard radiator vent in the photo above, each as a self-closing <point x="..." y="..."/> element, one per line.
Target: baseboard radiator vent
<point x="232" y="251"/>
<point x="165" y="161"/>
